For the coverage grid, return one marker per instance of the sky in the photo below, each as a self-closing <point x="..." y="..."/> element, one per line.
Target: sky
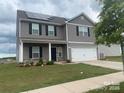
<point x="63" y="8"/>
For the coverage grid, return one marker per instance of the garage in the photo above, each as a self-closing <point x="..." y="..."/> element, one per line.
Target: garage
<point x="83" y="54"/>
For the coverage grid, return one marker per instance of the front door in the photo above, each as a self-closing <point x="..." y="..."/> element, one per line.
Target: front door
<point x="53" y="54"/>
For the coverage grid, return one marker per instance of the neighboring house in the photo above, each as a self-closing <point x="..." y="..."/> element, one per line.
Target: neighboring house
<point x="113" y="50"/>
<point x="54" y="38"/>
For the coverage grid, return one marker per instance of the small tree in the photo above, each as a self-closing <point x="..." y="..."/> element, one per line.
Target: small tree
<point x="111" y="24"/>
<point x="108" y="30"/>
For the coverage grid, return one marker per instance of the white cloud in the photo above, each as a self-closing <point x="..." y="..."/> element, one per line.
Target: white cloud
<point x="7" y="29"/>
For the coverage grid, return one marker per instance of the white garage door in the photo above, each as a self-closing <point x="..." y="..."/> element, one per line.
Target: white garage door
<point x="83" y="54"/>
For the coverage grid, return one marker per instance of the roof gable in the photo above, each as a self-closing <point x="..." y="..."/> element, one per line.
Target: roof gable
<point x="86" y="18"/>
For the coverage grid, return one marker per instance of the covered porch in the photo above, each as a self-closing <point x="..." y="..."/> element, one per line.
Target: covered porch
<point x="48" y="51"/>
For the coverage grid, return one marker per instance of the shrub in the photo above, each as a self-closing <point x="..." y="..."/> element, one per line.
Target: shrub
<point x="40" y="62"/>
<point x="27" y="65"/>
<point x="32" y="63"/>
<point x="50" y="63"/>
<point x="68" y="61"/>
<point x="20" y="65"/>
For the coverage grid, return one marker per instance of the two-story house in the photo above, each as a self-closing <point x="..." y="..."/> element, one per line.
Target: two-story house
<point x="54" y="38"/>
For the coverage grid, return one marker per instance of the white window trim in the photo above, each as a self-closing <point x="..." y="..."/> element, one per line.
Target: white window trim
<point x="37" y="28"/>
<point x="84" y="28"/>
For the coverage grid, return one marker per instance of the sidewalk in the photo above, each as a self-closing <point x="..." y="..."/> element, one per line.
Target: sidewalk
<point x="81" y="86"/>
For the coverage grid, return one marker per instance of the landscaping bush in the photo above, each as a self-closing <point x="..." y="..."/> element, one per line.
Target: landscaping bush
<point x="40" y="62"/>
<point x="50" y="63"/>
<point x="25" y="64"/>
<point x="20" y="65"/>
<point x="32" y="63"/>
<point x="68" y="61"/>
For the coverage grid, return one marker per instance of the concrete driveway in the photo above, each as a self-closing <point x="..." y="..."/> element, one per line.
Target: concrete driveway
<point x="107" y="64"/>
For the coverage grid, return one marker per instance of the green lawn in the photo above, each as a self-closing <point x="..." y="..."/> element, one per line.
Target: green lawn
<point x="114" y="58"/>
<point x="110" y="89"/>
<point x="15" y="79"/>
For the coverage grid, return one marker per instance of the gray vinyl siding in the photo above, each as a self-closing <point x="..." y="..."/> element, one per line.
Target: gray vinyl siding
<point x="72" y="35"/>
<point x="17" y="37"/>
<point x="25" y="52"/>
<point x="45" y="52"/>
<point x="60" y="30"/>
<point x="84" y="21"/>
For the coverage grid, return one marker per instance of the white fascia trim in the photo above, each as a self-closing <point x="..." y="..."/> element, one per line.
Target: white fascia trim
<point x="81" y="42"/>
<point x="37" y="21"/>
<point x="45" y="40"/>
<point x="79" y="24"/>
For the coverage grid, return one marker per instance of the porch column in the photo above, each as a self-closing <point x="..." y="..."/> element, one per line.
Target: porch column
<point x="49" y="51"/>
<point x="67" y="52"/>
<point x="21" y="51"/>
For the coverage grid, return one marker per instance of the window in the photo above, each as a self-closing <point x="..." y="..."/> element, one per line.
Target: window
<point x="35" y="29"/>
<point x="35" y="52"/>
<point x="51" y="30"/>
<point x="83" y="30"/>
<point x="59" y="52"/>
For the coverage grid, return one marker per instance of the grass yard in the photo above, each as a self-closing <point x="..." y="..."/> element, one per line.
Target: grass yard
<point x="16" y="79"/>
<point x="110" y="89"/>
<point x="114" y="58"/>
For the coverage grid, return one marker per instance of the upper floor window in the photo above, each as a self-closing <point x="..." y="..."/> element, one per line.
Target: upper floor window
<point x="83" y="30"/>
<point x="51" y="30"/>
<point x="35" y="29"/>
